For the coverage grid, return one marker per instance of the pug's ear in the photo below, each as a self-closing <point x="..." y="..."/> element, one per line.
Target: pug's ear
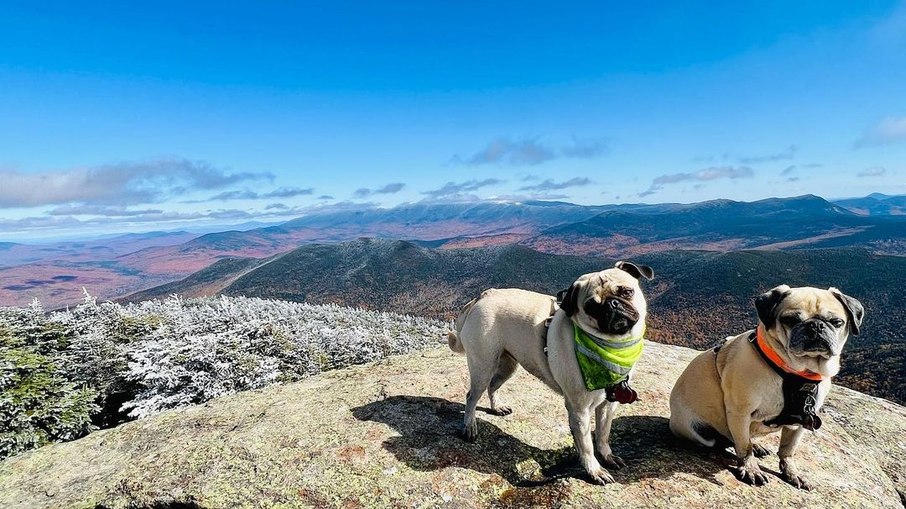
<point x="854" y="310"/>
<point x="569" y="298"/>
<point x="636" y="271"/>
<point x="767" y="304"/>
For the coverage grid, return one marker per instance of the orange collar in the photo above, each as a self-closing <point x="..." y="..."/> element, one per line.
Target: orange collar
<point x="776" y="360"/>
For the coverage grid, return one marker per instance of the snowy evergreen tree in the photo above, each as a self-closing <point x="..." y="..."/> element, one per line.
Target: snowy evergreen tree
<point x="102" y="363"/>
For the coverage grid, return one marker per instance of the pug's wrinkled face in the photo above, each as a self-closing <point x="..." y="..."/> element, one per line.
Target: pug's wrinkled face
<point x="609" y="302"/>
<point x="811" y="324"/>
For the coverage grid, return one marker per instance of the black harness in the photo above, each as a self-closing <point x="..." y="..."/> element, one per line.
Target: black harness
<point x="800" y="396"/>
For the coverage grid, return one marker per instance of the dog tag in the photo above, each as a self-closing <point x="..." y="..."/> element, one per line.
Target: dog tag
<point x="622" y="393"/>
<point x="811" y="422"/>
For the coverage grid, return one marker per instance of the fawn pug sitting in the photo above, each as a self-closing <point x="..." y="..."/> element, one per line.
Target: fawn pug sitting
<point x="768" y="379"/>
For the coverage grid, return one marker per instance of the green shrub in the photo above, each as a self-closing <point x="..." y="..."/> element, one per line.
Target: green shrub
<point x="37" y="404"/>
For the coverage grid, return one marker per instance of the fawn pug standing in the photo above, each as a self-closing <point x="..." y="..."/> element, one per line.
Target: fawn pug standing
<point x="773" y="377"/>
<point x="586" y="354"/>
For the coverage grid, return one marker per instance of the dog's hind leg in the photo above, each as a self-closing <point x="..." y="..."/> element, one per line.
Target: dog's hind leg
<point x="479" y="380"/>
<point x="505" y="369"/>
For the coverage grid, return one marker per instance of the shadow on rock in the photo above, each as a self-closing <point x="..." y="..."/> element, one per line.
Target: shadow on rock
<point x="157" y="505"/>
<point x="651" y="451"/>
<point x="429" y="440"/>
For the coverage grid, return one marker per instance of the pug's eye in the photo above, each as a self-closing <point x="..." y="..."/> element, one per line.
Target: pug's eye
<point x="625" y="292"/>
<point x="791" y="320"/>
<point x="836" y="322"/>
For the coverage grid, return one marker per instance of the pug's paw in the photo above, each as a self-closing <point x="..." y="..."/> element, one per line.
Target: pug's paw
<point x="790" y="474"/>
<point x="600" y="475"/>
<point x="469" y="432"/>
<point x="750" y="473"/>
<point x="502" y="410"/>
<point x="613" y="461"/>
<point x="760" y="451"/>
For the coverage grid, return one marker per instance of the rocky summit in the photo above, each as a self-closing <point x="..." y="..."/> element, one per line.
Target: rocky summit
<point x="384" y="435"/>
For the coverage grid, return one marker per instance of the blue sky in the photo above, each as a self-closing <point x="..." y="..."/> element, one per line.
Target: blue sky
<point x="115" y="117"/>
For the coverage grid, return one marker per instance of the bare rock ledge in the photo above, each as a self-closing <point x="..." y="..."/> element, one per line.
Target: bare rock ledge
<point x="384" y="435"/>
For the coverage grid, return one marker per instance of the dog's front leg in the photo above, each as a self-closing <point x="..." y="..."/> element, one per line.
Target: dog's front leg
<point x="789" y="440"/>
<point x="740" y="424"/>
<point x="580" y="426"/>
<point x="604" y="414"/>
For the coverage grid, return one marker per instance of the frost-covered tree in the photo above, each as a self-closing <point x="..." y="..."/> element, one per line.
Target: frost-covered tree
<point x="105" y="360"/>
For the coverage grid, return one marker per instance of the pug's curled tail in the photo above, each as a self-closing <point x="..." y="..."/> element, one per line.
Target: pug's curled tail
<point x="455" y="343"/>
<point x="453" y="336"/>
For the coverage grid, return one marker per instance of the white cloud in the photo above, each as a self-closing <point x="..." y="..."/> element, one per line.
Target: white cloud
<point x="586" y="148"/>
<point x="874" y="171"/>
<point x="888" y="130"/>
<point x="502" y="150"/>
<point x="785" y="155"/>
<point x="283" y="192"/>
<point x="550" y="184"/>
<point x="531" y="152"/>
<point x="96" y="210"/>
<point x="453" y="189"/>
<point x="128" y="183"/>
<point x="393" y="187"/>
<point x="703" y="175"/>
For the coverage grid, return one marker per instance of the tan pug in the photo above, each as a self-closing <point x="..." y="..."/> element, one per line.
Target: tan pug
<point x="773" y="378"/>
<point x="505" y="328"/>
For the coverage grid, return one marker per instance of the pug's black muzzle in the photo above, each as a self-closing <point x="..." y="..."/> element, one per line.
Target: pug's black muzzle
<point x="813" y="336"/>
<point x="614" y="315"/>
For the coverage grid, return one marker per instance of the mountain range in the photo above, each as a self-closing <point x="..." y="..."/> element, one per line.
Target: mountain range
<point x="114" y="268"/>
<point x="876" y="204"/>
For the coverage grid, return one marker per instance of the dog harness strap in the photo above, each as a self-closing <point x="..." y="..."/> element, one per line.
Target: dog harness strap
<point x="800" y="393"/>
<point x="605" y="366"/>
<point x="547" y="323"/>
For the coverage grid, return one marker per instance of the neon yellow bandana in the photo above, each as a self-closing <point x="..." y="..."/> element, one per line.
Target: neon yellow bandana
<point x="605" y="363"/>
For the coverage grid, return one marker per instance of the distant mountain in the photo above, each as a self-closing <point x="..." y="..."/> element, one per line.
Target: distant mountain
<point x="56" y="272"/>
<point x="210" y="280"/>
<point x="724" y="225"/>
<point x="383" y="274"/>
<point x="437" y="223"/>
<point x="876" y="204"/>
<point x="697" y="297"/>
<point x="89" y="250"/>
<point x="199" y="252"/>
<point x="428" y="221"/>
